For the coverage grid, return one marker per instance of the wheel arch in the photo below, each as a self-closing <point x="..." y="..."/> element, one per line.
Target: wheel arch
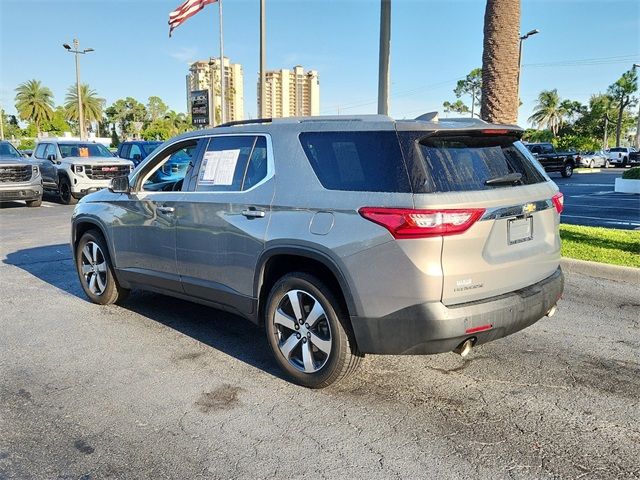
<point x="82" y="225"/>
<point x="277" y="261"/>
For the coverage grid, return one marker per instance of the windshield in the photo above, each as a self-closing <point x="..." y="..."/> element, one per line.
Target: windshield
<point x="8" y="150"/>
<point x="84" y="150"/>
<point x="150" y="147"/>
<point x="617" y="150"/>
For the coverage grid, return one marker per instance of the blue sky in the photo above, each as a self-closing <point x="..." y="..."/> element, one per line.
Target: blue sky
<point x="434" y="43"/>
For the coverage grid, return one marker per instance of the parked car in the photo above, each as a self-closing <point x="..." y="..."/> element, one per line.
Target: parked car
<point x="592" y="159"/>
<point x="19" y="177"/>
<point x="136" y="150"/>
<point x="620" y="156"/>
<point x="552" y="160"/>
<point x="72" y="169"/>
<point x="340" y="236"/>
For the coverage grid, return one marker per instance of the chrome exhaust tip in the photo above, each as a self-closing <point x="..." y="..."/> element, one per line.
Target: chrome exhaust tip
<point x="552" y="311"/>
<point x="464" y="348"/>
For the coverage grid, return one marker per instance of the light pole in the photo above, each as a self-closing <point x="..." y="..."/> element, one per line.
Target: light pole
<point x="637" y="65"/>
<point x="78" y="52"/>
<point x="383" y="61"/>
<point x="530" y="33"/>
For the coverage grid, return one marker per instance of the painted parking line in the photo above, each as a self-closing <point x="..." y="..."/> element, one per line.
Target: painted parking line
<point x="585" y="185"/>
<point x="605" y="220"/>
<point x="608" y="207"/>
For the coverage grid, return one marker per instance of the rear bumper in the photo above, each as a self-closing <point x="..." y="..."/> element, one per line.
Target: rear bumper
<point x="435" y="328"/>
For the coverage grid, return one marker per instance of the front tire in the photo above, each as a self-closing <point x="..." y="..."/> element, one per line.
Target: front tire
<point x="95" y="270"/>
<point x="308" y="332"/>
<point x="592" y="164"/>
<point x="567" y="170"/>
<point x="607" y="164"/>
<point x="66" y="196"/>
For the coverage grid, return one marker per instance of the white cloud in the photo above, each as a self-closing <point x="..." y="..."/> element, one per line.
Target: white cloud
<point x="185" y="54"/>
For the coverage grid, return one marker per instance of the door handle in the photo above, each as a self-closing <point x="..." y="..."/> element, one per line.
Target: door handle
<point x="167" y="210"/>
<point x="253" y="213"/>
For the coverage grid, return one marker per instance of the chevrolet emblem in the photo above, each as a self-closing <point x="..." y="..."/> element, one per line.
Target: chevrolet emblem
<point x="528" y="208"/>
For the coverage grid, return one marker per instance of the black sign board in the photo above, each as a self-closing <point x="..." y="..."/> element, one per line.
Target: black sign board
<point x="199" y="100"/>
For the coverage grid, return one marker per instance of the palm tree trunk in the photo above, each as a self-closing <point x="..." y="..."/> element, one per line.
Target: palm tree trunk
<point x="500" y="61"/>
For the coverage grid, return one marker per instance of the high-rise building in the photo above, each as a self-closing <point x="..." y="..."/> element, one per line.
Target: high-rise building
<point x="199" y="78"/>
<point x="291" y="93"/>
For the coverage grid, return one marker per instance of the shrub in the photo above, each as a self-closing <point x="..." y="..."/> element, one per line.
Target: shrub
<point x="27" y="144"/>
<point x="632" y="174"/>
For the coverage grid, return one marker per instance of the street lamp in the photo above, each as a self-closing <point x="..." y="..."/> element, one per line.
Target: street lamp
<point x="78" y="52"/>
<point x="530" y="33"/>
<point x="637" y="65"/>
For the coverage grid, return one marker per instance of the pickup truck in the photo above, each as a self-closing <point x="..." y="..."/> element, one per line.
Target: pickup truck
<point x="552" y="160"/>
<point x="622" y="156"/>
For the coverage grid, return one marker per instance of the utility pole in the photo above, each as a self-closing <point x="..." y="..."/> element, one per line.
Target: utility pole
<point x="637" y="65"/>
<point x="76" y="50"/>
<point x="263" y="61"/>
<point x="383" y="67"/>
<point x="1" y="123"/>
<point x="605" y="143"/>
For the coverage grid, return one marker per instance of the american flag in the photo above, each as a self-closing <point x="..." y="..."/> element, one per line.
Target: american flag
<point x="186" y="10"/>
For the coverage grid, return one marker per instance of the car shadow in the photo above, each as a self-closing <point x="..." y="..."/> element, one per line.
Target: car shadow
<point x="223" y="331"/>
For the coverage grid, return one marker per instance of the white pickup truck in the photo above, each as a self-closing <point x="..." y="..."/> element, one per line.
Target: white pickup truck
<point x="619" y="156"/>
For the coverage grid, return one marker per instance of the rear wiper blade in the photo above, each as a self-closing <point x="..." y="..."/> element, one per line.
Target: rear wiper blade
<point x="508" y="179"/>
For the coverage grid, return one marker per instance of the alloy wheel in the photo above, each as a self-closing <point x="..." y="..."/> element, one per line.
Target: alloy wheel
<point x="94" y="268"/>
<point x="303" y="331"/>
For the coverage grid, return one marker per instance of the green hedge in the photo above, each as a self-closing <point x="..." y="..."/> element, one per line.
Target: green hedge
<point x="632" y="174"/>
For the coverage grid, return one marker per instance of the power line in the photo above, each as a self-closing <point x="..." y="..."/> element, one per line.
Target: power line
<point x="586" y="61"/>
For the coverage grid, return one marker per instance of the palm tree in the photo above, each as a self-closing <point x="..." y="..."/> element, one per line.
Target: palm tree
<point x="500" y="61"/>
<point x="34" y="102"/>
<point x="92" y="105"/>
<point x="548" y="112"/>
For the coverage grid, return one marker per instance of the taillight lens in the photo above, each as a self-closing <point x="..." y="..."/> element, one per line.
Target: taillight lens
<point x="558" y="201"/>
<point x="408" y="223"/>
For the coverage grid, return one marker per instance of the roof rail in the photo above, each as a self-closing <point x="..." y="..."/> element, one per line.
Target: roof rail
<point x="466" y="120"/>
<point x="244" y="122"/>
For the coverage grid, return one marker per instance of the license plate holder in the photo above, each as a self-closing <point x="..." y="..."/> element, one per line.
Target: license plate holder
<point x="519" y="230"/>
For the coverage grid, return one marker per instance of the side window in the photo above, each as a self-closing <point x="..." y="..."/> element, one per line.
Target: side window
<point x="171" y="166"/>
<point x="547" y="149"/>
<point x="124" y="151"/>
<point x="224" y="163"/>
<point x="39" y="153"/>
<point x="135" y="153"/>
<point x="257" y="167"/>
<point x="51" y="150"/>
<point x="536" y="149"/>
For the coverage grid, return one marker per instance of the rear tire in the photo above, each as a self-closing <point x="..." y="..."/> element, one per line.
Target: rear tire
<point x="624" y="162"/>
<point x="66" y="196"/>
<point x="95" y="270"/>
<point x="308" y="331"/>
<point x="34" y="203"/>
<point x="607" y="164"/>
<point x="567" y="170"/>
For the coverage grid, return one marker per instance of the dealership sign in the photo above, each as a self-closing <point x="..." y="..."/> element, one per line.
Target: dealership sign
<point x="199" y="100"/>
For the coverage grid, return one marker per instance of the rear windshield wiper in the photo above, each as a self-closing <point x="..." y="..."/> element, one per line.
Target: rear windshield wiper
<point x="508" y="179"/>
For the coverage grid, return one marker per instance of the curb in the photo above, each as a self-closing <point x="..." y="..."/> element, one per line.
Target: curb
<point x="586" y="170"/>
<point x="601" y="270"/>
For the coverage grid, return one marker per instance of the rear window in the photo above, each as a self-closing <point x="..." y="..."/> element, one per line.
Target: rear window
<point x="618" y="150"/>
<point x="357" y="161"/>
<point x="464" y="163"/>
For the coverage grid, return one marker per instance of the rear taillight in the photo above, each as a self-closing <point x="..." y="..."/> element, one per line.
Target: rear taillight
<point x="558" y="201"/>
<point x="408" y="223"/>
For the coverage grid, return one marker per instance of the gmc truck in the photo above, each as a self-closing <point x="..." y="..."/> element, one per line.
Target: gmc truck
<point x="552" y="160"/>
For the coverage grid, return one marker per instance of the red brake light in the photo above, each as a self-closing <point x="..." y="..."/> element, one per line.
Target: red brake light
<point x="558" y="201"/>
<point x="408" y="223"/>
<point x="496" y="131"/>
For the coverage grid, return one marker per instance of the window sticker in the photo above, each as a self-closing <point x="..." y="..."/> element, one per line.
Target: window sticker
<point x="83" y="152"/>
<point x="219" y="167"/>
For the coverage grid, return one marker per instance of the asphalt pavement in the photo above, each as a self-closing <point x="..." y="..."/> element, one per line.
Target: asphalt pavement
<point x="162" y="388"/>
<point x="589" y="199"/>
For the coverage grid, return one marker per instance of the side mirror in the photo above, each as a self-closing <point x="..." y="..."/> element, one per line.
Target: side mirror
<point x="136" y="157"/>
<point x="120" y="184"/>
<point x="51" y="157"/>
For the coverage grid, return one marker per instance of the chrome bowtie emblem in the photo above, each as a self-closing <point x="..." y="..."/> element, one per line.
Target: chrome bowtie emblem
<point x="528" y="208"/>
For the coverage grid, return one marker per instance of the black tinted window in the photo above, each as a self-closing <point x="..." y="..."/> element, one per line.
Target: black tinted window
<point x="357" y="161"/>
<point x="453" y="164"/>
<point x="257" y="167"/>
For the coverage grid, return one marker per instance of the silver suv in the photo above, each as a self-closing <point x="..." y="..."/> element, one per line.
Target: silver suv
<point x="74" y="168"/>
<point x="340" y="235"/>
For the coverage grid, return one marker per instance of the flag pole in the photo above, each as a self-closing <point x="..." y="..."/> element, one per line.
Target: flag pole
<point x="223" y="100"/>
<point x="263" y="41"/>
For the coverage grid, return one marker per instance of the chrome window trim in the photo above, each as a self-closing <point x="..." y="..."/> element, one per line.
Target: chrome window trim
<point x="514" y="211"/>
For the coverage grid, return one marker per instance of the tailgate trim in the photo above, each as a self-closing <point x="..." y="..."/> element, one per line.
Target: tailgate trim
<point x="521" y="210"/>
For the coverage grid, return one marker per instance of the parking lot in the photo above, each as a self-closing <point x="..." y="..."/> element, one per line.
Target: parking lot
<point x="161" y="388"/>
<point x="589" y="199"/>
